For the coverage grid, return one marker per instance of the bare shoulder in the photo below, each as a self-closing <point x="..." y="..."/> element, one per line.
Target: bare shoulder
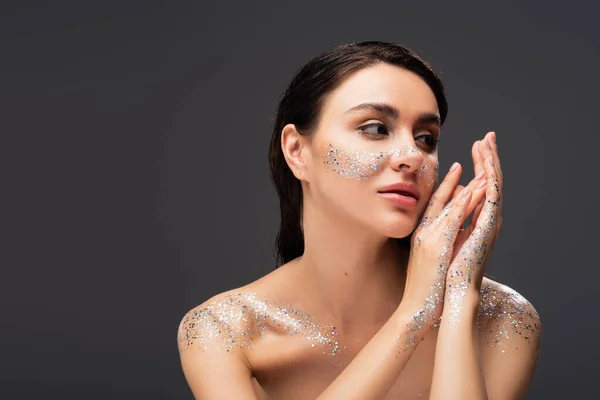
<point x="220" y="323"/>
<point x="229" y="321"/>
<point x="510" y="340"/>
<point x="507" y="319"/>
<point x="212" y="338"/>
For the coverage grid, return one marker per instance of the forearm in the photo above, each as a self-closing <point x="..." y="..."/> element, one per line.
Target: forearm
<point x="377" y="366"/>
<point x="458" y="370"/>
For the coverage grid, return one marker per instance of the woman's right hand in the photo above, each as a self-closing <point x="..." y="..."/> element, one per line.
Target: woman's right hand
<point x="432" y="248"/>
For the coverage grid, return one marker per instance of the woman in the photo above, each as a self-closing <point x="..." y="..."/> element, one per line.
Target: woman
<point x="363" y="307"/>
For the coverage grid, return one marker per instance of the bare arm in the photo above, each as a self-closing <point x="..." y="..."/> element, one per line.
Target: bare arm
<point x="494" y="361"/>
<point x="511" y="337"/>
<point x="213" y="373"/>
<point x="375" y="369"/>
<point x="215" y="370"/>
<point x="458" y="371"/>
<point x="461" y="371"/>
<point x="377" y="366"/>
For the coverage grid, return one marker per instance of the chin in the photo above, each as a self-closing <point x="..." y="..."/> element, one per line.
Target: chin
<point x="399" y="235"/>
<point x="398" y="228"/>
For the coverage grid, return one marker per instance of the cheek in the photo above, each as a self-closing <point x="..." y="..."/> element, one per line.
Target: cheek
<point x="428" y="174"/>
<point x="427" y="180"/>
<point x="350" y="164"/>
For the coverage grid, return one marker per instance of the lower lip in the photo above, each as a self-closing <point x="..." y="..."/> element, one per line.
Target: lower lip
<point x="399" y="200"/>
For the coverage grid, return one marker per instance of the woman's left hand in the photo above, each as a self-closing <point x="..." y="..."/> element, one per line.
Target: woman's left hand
<point x="474" y="244"/>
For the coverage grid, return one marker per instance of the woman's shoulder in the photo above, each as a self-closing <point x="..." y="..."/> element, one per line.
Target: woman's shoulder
<point x="228" y="320"/>
<point x="221" y="322"/>
<point x="506" y="316"/>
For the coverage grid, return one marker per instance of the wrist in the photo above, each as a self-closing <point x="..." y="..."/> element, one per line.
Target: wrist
<point x="461" y="304"/>
<point x="467" y="295"/>
<point x="413" y="321"/>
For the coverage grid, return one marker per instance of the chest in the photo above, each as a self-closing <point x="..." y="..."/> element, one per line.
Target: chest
<point x="290" y="368"/>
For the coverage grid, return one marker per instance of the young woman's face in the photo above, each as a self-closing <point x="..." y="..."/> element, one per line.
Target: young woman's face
<point x="378" y="129"/>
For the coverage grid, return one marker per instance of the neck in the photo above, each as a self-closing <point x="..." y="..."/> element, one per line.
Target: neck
<point x="355" y="276"/>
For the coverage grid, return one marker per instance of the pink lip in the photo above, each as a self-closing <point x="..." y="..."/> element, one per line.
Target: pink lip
<point x="399" y="200"/>
<point x="402" y="188"/>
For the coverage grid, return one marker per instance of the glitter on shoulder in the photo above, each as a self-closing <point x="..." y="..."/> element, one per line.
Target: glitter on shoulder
<point x="234" y="320"/>
<point x="506" y="318"/>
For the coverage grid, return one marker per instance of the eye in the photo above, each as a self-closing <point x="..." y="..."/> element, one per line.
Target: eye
<point x="374" y="130"/>
<point x="429" y="140"/>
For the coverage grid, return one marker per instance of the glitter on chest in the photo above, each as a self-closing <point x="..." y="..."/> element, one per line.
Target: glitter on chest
<point x="233" y="321"/>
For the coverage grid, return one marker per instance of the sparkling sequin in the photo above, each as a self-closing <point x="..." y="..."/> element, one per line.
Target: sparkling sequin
<point x="473" y="252"/>
<point x="363" y="165"/>
<point x="232" y="321"/>
<point x="430" y="313"/>
<point x="505" y="315"/>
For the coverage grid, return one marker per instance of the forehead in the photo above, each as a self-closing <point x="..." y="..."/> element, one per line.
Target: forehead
<point x="383" y="83"/>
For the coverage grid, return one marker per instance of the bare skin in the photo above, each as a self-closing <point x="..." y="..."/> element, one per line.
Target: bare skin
<point x="284" y="366"/>
<point x="235" y="346"/>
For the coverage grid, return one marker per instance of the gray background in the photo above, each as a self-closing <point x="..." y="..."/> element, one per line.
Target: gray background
<point x="134" y="160"/>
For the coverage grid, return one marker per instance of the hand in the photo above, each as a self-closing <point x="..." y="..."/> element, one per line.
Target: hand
<point x="479" y="152"/>
<point x="477" y="241"/>
<point x="432" y="248"/>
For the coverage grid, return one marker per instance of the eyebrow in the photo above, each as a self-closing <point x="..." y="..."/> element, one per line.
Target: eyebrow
<point x="393" y="112"/>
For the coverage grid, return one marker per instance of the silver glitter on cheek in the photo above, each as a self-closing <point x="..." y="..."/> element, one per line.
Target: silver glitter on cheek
<point x="234" y="321"/>
<point x="363" y="165"/>
<point x="429" y="173"/>
<point x="359" y="165"/>
<point x="505" y="317"/>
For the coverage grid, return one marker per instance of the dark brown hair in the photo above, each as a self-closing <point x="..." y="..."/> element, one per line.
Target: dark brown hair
<point x="301" y="105"/>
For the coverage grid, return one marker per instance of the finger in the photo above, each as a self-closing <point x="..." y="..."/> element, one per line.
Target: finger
<point x="457" y="191"/>
<point x="484" y="216"/>
<point x="458" y="213"/>
<point x="491" y="137"/>
<point x="492" y="193"/>
<point x="444" y="191"/>
<point x="487" y="152"/>
<point x="476" y="214"/>
<point x="462" y="236"/>
<point x="485" y="149"/>
<point x="478" y="194"/>
<point x="489" y="148"/>
<point x="477" y="159"/>
<point x="476" y="188"/>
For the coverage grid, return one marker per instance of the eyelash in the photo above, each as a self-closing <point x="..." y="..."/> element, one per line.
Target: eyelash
<point x="433" y="143"/>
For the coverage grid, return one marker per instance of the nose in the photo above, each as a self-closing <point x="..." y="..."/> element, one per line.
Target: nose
<point x="407" y="157"/>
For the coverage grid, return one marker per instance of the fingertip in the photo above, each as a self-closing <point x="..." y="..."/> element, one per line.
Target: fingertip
<point x="482" y="183"/>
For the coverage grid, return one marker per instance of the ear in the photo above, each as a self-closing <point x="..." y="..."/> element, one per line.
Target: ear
<point x="296" y="151"/>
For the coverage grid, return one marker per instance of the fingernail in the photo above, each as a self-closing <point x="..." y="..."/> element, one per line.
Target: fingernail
<point x="454" y="166"/>
<point x="493" y="135"/>
<point x="482" y="184"/>
<point x="487" y="143"/>
<point x="480" y="175"/>
<point x="465" y="192"/>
